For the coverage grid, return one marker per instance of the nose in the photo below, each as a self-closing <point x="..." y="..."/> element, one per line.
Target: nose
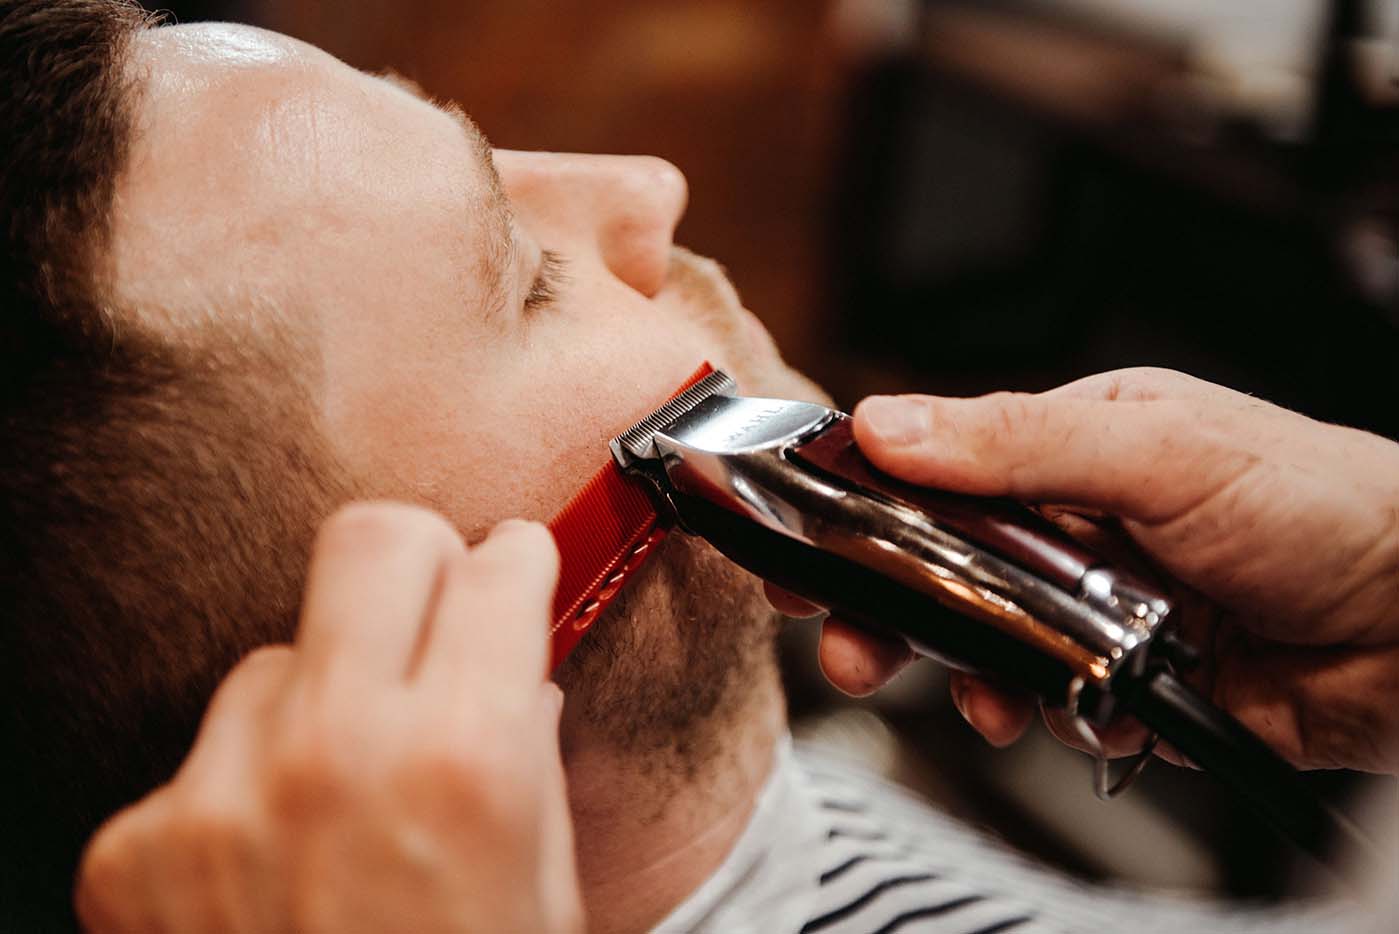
<point x="625" y="208"/>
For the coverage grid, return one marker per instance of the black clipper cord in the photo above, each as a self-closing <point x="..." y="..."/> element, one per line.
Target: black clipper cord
<point x="1212" y="739"/>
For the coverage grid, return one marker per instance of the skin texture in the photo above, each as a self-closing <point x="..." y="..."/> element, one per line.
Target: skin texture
<point x="1282" y="532"/>
<point x="275" y="194"/>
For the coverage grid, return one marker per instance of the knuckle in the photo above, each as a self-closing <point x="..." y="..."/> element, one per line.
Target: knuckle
<point x="1147" y="374"/>
<point x="1016" y="425"/>
<point x="104" y="864"/>
<point x="307" y="778"/>
<point x="206" y="824"/>
<point x="1149" y="377"/>
<point x="1140" y="384"/>
<point x="1011" y="413"/>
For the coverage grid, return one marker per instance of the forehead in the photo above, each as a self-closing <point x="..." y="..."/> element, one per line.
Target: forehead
<point x="254" y="151"/>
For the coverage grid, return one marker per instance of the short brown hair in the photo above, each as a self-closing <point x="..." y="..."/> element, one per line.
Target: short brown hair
<point x="158" y="498"/>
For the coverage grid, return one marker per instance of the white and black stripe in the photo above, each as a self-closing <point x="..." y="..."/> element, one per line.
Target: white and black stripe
<point x="833" y="850"/>
<point x="874" y="879"/>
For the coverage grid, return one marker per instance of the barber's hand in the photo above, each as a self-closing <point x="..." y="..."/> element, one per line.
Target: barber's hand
<point x="1284" y="530"/>
<point x="397" y="770"/>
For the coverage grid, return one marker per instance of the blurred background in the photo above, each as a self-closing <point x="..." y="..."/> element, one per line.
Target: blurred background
<point x="960" y="197"/>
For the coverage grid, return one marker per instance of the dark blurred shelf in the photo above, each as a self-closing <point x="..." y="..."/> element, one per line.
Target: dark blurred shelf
<point x="1025" y="202"/>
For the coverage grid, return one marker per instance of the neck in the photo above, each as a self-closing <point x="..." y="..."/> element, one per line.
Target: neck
<point x="650" y="828"/>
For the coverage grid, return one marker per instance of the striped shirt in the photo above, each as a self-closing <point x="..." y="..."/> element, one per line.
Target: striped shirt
<point x="831" y="849"/>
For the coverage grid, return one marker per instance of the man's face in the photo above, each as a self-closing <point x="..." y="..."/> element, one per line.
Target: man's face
<point x="454" y="361"/>
<point x="474" y="326"/>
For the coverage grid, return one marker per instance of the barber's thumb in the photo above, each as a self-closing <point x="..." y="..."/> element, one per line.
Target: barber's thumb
<point x="964" y="445"/>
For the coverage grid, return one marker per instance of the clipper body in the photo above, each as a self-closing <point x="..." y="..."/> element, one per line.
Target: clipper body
<point x="983" y="585"/>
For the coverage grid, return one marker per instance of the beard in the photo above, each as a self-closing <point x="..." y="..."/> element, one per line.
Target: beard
<point x="675" y="658"/>
<point x="691" y="641"/>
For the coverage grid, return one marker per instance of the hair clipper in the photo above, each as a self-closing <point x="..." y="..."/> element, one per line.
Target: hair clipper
<point x="983" y="585"/>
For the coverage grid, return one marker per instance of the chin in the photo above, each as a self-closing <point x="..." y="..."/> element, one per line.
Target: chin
<point x="680" y="654"/>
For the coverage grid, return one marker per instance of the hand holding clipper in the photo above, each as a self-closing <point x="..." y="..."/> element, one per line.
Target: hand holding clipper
<point x="780" y="487"/>
<point x="981" y="584"/>
<point x="1284" y="525"/>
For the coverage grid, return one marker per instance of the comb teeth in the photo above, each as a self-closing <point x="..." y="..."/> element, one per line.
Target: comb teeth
<point x="636" y="440"/>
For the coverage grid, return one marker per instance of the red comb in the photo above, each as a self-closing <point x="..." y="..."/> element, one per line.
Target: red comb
<point x="605" y="534"/>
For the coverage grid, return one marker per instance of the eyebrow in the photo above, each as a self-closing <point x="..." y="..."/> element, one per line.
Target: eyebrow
<point x="500" y="244"/>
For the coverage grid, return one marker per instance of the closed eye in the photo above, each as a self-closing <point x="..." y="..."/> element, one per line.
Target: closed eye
<point x="547" y="283"/>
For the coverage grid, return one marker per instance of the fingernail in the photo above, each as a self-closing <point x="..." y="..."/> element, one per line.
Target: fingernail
<point x="895" y="420"/>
